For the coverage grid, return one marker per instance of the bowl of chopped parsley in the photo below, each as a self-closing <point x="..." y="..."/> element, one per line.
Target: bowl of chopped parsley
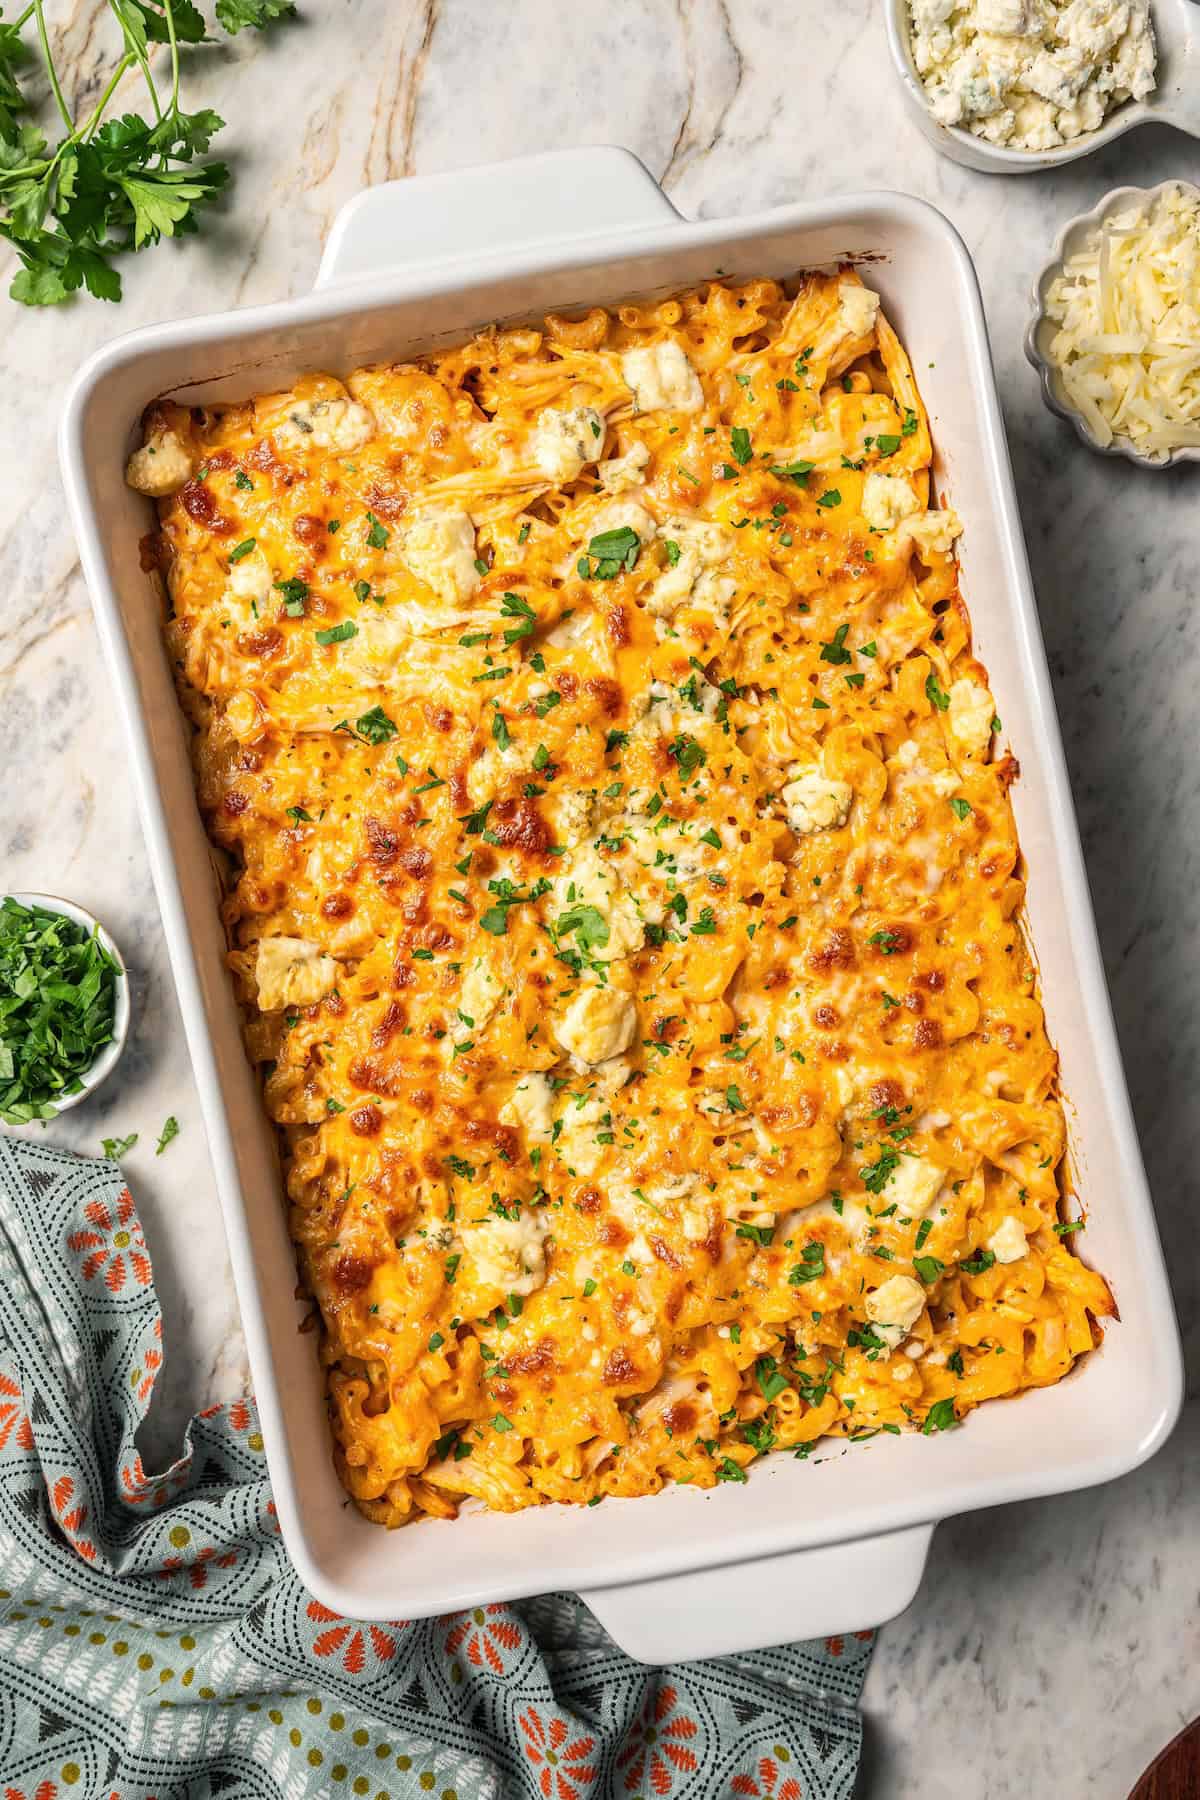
<point x="64" y="1006"/>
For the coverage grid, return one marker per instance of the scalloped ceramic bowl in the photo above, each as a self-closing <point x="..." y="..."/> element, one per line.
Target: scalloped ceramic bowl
<point x="1071" y="239"/>
<point x="1174" y="101"/>
<point x="110" y="1055"/>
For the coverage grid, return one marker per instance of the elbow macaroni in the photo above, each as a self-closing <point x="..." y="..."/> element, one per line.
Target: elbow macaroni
<point x="624" y="899"/>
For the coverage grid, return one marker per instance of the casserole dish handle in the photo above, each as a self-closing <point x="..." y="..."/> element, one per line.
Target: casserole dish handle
<point x="747" y="1606"/>
<point x="540" y="200"/>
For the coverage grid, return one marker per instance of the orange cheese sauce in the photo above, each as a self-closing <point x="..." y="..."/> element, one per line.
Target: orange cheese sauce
<point x="623" y="896"/>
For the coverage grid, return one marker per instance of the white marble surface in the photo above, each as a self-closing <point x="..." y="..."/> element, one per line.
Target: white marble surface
<point x="1054" y="1646"/>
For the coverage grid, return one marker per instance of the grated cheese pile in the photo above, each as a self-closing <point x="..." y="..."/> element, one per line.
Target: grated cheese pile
<point x="1128" y="314"/>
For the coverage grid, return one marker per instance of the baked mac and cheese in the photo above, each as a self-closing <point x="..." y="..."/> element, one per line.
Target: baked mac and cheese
<point x="623" y="894"/>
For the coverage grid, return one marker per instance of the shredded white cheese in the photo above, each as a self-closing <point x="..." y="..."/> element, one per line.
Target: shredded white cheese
<point x="1127" y="308"/>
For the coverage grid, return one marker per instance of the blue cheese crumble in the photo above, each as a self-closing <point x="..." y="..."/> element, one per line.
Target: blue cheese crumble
<point x="1031" y="74"/>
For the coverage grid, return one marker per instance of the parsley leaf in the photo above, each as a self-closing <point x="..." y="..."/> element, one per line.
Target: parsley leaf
<point x="295" y="594"/>
<point x="236" y="15"/>
<point x="588" y="924"/>
<point x="875" y="1176"/>
<point x="610" y="552"/>
<point x="835" y="651"/>
<point x="940" y="1417"/>
<point x="811" y="1266"/>
<point x="375" y="726"/>
<point x="338" y="634"/>
<point x="514" y="607"/>
<point x="688" y="754"/>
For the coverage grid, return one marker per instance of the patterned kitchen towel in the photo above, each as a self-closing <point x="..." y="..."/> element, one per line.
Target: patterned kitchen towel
<point x="155" y="1643"/>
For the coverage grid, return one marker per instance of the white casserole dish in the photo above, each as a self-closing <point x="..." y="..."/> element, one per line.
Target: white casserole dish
<point x="839" y="1542"/>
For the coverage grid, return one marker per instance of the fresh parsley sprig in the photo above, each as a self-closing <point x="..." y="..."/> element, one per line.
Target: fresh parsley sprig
<point x="106" y="188"/>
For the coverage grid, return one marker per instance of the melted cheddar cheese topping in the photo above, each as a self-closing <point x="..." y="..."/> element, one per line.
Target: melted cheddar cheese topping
<point x="623" y="894"/>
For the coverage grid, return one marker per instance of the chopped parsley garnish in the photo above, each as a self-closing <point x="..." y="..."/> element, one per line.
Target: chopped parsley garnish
<point x="940" y="1417"/>
<point x="759" y="1433"/>
<point x="295" y="593"/>
<point x="58" y="997"/>
<point x="875" y="1176"/>
<point x="811" y="1266"/>
<point x="375" y="726"/>
<point x="688" y="754"/>
<point x="168" y="1134"/>
<point x="588" y="924"/>
<point x="960" y="808"/>
<point x="831" y="497"/>
<point x="377" y="534"/>
<point x="935" y="694"/>
<point x="743" y="449"/>
<point x="835" y="651"/>
<point x="338" y="634"/>
<point x="507" y="895"/>
<point x="757" y="1234"/>
<point x="793" y="471"/>
<point x="242" y="549"/>
<point x="928" y="1268"/>
<point x="979" y="1263"/>
<point x="514" y="607"/>
<point x="770" y="1382"/>
<point x="116" y="1148"/>
<point x="609" y="553"/>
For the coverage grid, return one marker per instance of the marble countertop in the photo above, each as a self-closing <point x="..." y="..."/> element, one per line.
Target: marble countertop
<point x="1053" y="1645"/>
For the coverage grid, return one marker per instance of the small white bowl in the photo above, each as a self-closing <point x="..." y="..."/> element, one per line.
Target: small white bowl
<point x="1072" y="238"/>
<point x="1175" y="100"/>
<point x="110" y="1055"/>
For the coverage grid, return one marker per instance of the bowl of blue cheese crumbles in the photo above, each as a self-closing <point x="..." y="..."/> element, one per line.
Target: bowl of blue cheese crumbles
<point x="1025" y="78"/>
